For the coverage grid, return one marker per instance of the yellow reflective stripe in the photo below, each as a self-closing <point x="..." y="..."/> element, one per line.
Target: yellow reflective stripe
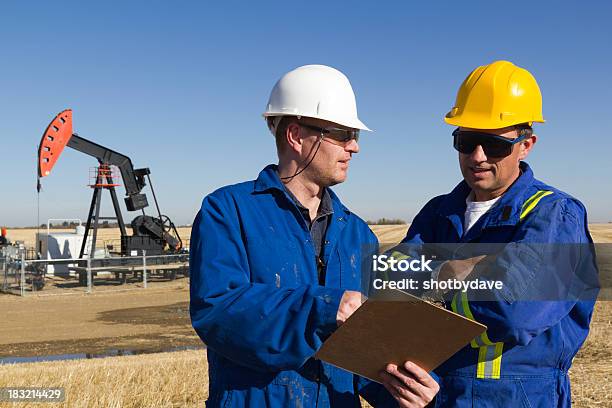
<point x="499" y="349"/>
<point x="482" y="358"/>
<point x="454" y="303"/>
<point x="399" y="256"/>
<point x="531" y="203"/>
<point x="489" y="361"/>
<point x="466" y="305"/>
<point x="458" y="307"/>
<point x="462" y="307"/>
<point x="489" y="353"/>
<point x="484" y="340"/>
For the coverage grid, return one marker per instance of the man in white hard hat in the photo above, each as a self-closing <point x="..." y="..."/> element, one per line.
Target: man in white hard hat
<point x="275" y="263"/>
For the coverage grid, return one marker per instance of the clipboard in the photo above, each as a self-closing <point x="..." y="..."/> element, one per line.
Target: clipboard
<point x="398" y="328"/>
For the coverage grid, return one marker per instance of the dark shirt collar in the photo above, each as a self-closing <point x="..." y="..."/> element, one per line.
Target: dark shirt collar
<point x="325" y="207"/>
<point x="268" y="179"/>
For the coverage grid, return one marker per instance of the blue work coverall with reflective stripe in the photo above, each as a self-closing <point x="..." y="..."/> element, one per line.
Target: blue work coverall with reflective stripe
<point x="523" y="358"/>
<point x="256" y="302"/>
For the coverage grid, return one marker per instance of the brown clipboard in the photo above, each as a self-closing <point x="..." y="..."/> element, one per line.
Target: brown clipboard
<point x="399" y="328"/>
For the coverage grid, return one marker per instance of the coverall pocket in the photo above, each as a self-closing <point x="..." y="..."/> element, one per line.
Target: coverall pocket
<point x="520" y="266"/>
<point x="539" y="392"/>
<point x="274" y="262"/>
<point x="526" y="392"/>
<point x="349" y="263"/>
<point x="290" y="393"/>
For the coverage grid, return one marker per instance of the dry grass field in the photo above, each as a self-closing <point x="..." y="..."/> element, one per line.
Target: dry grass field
<point x="157" y="317"/>
<point x="386" y="233"/>
<point x="602" y="233"/>
<point x="177" y="379"/>
<point x="28" y="235"/>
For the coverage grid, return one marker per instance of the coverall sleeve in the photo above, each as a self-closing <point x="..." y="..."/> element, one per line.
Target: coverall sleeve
<point x="545" y="271"/>
<point x="422" y="227"/>
<point x="257" y="325"/>
<point x="420" y="231"/>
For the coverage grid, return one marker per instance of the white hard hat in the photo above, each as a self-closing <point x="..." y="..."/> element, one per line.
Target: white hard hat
<point x="315" y="91"/>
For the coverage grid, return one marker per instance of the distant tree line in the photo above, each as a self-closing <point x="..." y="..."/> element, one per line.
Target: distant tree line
<point x="387" y="221"/>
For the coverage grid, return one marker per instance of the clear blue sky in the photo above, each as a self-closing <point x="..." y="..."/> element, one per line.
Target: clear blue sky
<point x="180" y="87"/>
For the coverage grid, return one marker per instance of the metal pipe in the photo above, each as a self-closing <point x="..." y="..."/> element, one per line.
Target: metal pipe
<point x="144" y="268"/>
<point x="23" y="281"/>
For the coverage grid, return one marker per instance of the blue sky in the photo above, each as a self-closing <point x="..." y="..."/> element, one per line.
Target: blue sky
<point x="180" y="88"/>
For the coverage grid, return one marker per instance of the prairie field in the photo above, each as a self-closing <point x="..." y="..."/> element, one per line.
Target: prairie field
<point x="154" y="320"/>
<point x="28" y="235"/>
<point x="602" y="233"/>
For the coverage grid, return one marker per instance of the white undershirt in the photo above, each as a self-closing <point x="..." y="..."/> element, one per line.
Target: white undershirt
<point x="475" y="210"/>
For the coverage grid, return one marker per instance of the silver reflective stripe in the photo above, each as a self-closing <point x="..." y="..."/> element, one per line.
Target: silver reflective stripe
<point x="489" y="361"/>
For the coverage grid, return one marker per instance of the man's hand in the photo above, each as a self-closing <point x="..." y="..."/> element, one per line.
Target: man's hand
<point x="410" y="385"/>
<point x="350" y="302"/>
<point x="460" y="269"/>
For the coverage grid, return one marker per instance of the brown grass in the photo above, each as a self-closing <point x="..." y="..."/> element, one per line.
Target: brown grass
<point x="591" y="372"/>
<point x="178" y="379"/>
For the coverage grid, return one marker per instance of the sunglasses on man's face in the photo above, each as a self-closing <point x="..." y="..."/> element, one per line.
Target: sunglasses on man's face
<point x="494" y="146"/>
<point x="334" y="134"/>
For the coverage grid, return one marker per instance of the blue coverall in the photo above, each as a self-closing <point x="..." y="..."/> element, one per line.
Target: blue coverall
<point x="523" y="358"/>
<point x="256" y="302"/>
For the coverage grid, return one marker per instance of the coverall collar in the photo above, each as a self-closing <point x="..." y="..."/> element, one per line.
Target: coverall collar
<point x="268" y="180"/>
<point x="505" y="212"/>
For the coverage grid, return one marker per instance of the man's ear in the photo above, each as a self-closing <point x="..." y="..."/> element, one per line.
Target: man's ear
<point x="293" y="137"/>
<point x="527" y="145"/>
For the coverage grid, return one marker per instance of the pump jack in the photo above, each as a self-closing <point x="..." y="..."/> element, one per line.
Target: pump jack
<point x="155" y="235"/>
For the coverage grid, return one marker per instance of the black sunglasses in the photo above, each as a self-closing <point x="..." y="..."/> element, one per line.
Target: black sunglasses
<point x="493" y="145"/>
<point x="336" y="134"/>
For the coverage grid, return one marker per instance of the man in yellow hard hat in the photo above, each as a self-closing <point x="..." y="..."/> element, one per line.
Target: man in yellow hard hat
<point x="540" y="318"/>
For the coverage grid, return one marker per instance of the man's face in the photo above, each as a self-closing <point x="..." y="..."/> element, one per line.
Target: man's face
<point x="331" y="162"/>
<point x="490" y="177"/>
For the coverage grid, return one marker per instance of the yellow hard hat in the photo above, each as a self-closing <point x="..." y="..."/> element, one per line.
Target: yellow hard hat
<point x="495" y="96"/>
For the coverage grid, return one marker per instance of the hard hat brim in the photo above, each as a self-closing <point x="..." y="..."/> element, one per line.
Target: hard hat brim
<point x="355" y="123"/>
<point x="486" y="123"/>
